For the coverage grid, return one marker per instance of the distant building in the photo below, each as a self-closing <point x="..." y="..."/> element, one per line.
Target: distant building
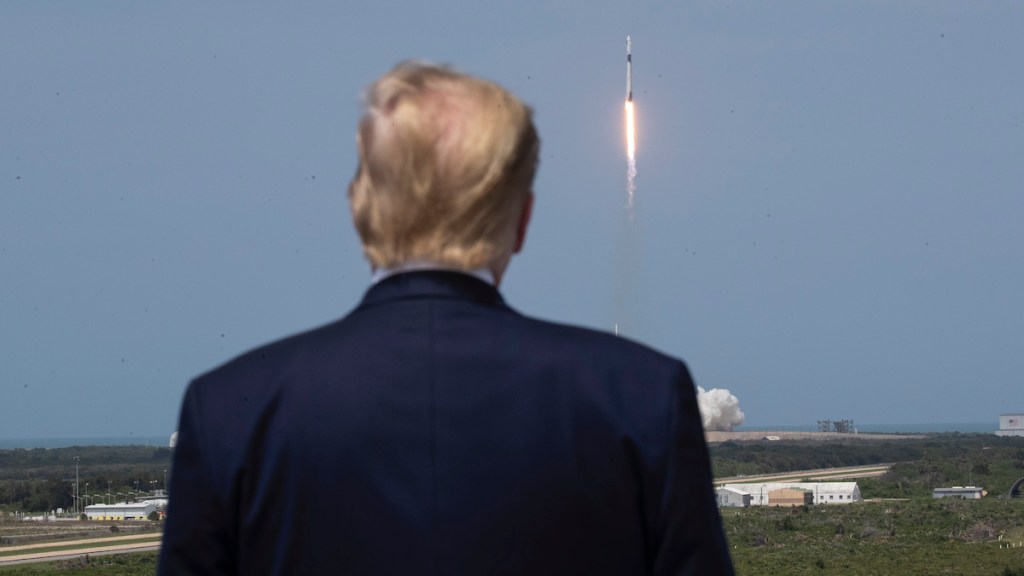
<point x="1011" y="425"/>
<point x="732" y="498"/>
<point x="963" y="492"/>
<point x="790" y="497"/>
<point x="120" y="511"/>
<point x="159" y="501"/>
<point x="821" y="492"/>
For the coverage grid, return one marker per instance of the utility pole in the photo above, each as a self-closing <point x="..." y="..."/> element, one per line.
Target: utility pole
<point x="77" y="498"/>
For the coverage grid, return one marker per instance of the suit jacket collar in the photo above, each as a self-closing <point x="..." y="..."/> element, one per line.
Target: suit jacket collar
<point x="433" y="284"/>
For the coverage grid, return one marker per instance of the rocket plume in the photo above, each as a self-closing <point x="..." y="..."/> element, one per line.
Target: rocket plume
<point x="719" y="409"/>
<point x="627" y="249"/>
<point x="630" y="133"/>
<point x="630" y="130"/>
<point x="630" y="155"/>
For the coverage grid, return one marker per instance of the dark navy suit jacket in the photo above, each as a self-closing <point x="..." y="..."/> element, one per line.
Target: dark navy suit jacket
<point x="434" y="430"/>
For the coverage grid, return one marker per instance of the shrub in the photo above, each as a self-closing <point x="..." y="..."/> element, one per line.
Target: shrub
<point x="786" y="524"/>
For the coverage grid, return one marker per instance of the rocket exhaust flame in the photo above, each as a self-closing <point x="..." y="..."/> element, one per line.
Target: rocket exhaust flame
<point x="630" y="156"/>
<point x="630" y="129"/>
<point x="630" y="133"/>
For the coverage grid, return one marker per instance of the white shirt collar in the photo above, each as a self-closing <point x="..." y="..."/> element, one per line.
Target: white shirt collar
<point x="421" y="265"/>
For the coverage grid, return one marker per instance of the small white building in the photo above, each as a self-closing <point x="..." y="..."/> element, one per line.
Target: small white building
<point x="963" y="492"/>
<point x="158" y="499"/>
<point x="120" y="511"/>
<point x="1011" y="425"/>
<point x="821" y="492"/>
<point x="732" y="498"/>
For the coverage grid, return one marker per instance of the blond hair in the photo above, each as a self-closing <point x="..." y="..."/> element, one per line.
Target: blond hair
<point x="446" y="165"/>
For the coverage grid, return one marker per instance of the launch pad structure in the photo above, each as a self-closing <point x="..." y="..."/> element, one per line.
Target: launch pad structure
<point x="841" y="426"/>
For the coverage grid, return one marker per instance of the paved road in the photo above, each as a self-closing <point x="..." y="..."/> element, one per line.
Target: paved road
<point x="52" y="556"/>
<point x="73" y="541"/>
<point x="825" y="474"/>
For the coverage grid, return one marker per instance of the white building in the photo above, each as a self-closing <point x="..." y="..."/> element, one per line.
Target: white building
<point x="821" y="492"/>
<point x="732" y="498"/>
<point x="158" y="499"/>
<point x="1011" y="425"/>
<point x="120" y="511"/>
<point x="964" y="492"/>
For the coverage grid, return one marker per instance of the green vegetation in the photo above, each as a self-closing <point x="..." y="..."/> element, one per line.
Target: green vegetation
<point x="138" y="564"/>
<point x="914" y="537"/>
<point x="41" y="480"/>
<point x="904" y="531"/>
<point x="921" y="464"/>
<point x="77" y="546"/>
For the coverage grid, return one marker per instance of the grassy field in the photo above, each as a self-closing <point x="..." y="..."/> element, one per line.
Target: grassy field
<point x="893" y="537"/>
<point x="20" y="538"/>
<point x="914" y="537"/>
<point x="59" y="547"/>
<point x="138" y="564"/>
<point x="19" y="533"/>
<point x="902" y="531"/>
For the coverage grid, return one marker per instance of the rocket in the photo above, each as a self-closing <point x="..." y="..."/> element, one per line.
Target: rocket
<point x="629" y="70"/>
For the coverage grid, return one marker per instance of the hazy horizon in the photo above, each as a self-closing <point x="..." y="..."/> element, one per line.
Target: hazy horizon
<point x="157" y="440"/>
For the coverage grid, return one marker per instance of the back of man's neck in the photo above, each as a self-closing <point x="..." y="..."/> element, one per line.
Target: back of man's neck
<point x="484" y="274"/>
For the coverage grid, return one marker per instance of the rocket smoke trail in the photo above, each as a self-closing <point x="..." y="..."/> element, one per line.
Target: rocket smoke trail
<point x="630" y="130"/>
<point x="628" y="254"/>
<point x="719" y="408"/>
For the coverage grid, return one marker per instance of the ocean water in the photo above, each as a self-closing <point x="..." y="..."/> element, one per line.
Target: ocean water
<point x="29" y="443"/>
<point x="911" y="428"/>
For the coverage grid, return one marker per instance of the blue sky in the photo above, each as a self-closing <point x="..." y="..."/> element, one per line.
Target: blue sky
<point x="829" y="202"/>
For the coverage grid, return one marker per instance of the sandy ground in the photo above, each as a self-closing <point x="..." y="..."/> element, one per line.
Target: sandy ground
<point x="66" y="554"/>
<point x="77" y="541"/>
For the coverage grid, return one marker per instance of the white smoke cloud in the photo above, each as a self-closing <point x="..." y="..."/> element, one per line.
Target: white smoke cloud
<point x="719" y="409"/>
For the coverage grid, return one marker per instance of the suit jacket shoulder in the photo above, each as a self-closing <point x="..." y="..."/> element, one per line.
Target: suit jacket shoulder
<point x="436" y="420"/>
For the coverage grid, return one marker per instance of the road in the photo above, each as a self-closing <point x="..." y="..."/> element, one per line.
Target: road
<point x="117" y="547"/>
<point x="824" y="475"/>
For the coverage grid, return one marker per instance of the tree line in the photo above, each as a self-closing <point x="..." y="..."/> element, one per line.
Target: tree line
<point x="43" y="479"/>
<point x="766" y="457"/>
